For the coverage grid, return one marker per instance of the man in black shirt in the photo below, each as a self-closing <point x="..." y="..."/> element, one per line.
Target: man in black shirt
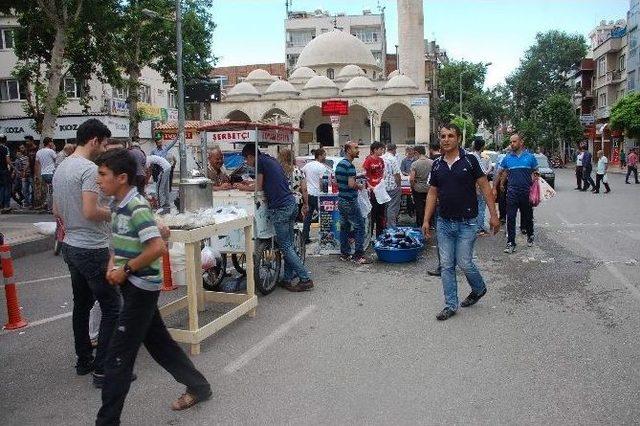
<point x="454" y="177"/>
<point x="5" y="175"/>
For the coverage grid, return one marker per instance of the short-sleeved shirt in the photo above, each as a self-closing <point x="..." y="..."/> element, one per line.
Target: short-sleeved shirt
<point x="74" y="176"/>
<point x="295" y="184"/>
<point x="601" y="168"/>
<point x="374" y="169"/>
<point x="422" y="167"/>
<point x="391" y="168"/>
<point x="133" y="224"/>
<point x="313" y="172"/>
<point x="519" y="167"/>
<point x="579" y="159"/>
<point x="405" y="166"/>
<point x="275" y="183"/>
<point x="141" y="161"/>
<point x="344" y="170"/>
<point x="47" y="159"/>
<point x="21" y="165"/>
<point x="456" y="185"/>
<point x="632" y="160"/>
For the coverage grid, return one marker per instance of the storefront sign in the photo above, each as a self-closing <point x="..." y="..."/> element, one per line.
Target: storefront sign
<point x="232" y="136"/>
<point x="275" y="136"/>
<point x="119" y="107"/>
<point x="172" y="136"/>
<point x="587" y="119"/>
<point x="149" y="112"/>
<point x="335" y="107"/>
<point x="420" y="102"/>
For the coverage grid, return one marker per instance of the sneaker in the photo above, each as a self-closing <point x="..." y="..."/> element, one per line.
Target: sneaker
<point x="445" y="314"/>
<point x="530" y="241"/>
<point x="84" y="367"/>
<point x="472" y="299"/>
<point x="510" y="248"/>
<point x="294" y="288"/>
<point x="361" y="260"/>
<point x="345" y="257"/>
<point x="306" y="285"/>
<point x="98" y="379"/>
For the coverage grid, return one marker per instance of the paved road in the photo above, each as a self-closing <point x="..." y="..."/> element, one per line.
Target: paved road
<point x="553" y="342"/>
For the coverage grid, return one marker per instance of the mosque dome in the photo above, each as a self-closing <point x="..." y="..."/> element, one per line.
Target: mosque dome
<point x="348" y="72"/>
<point x="243" y="90"/>
<point x="259" y="77"/>
<point x="301" y="75"/>
<point x="360" y="86"/>
<point x="336" y="48"/>
<point x="281" y="87"/>
<point x="400" y="84"/>
<point x="320" y="86"/>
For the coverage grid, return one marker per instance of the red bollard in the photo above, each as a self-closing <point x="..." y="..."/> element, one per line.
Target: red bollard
<point x="167" y="280"/>
<point x="13" y="306"/>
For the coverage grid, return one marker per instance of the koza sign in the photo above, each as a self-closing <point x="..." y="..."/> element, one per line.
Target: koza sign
<point x="13" y="130"/>
<point x="68" y="127"/>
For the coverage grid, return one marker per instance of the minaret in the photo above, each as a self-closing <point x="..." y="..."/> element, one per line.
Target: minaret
<point x="411" y="40"/>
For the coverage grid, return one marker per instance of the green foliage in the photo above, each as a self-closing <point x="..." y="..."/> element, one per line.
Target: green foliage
<point x="559" y="121"/>
<point x="466" y="126"/>
<point x="625" y="115"/>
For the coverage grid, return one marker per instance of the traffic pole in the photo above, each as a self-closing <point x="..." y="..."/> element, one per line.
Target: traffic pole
<point x="10" y="291"/>
<point x="167" y="280"/>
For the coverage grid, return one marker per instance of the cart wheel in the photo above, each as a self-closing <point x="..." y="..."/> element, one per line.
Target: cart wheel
<point x="239" y="262"/>
<point x="212" y="277"/>
<point x="57" y="246"/>
<point x="267" y="266"/>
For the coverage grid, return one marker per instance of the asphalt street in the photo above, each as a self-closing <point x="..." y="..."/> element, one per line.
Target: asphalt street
<point x="554" y="341"/>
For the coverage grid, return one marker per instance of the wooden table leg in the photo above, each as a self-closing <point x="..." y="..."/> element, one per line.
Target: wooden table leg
<point x="251" y="284"/>
<point x="195" y="349"/>
<point x="194" y="280"/>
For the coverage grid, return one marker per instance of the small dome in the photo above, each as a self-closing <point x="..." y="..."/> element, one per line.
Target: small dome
<point x="319" y="82"/>
<point x="302" y="75"/>
<point x="243" y="89"/>
<point x="400" y="82"/>
<point x="336" y="48"/>
<point x="393" y="74"/>
<point x="358" y="83"/>
<point x="348" y="72"/>
<point x="281" y="87"/>
<point x="259" y="76"/>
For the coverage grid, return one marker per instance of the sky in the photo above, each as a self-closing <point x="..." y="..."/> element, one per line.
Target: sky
<point x="496" y="31"/>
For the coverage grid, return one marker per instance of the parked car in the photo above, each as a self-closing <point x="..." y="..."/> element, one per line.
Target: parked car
<point x="545" y="170"/>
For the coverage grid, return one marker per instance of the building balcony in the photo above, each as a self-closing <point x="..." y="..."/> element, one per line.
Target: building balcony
<point x="610" y="45"/>
<point x="602" y="112"/>
<point x="613" y="77"/>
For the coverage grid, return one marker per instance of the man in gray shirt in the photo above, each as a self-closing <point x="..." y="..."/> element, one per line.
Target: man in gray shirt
<point x="76" y="199"/>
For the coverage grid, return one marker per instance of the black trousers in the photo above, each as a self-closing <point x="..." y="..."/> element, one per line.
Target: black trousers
<point x="633" y="170"/>
<point x="140" y="322"/>
<point x="378" y="214"/>
<point x="88" y="270"/>
<point x="579" y="173"/>
<point x="420" y="202"/>
<point x="598" y="180"/>
<point x="520" y="202"/>
<point x="587" y="179"/>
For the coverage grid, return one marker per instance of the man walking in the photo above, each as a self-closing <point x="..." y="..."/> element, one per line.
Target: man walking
<point x="478" y="147"/>
<point x="521" y="167"/>
<point x="579" y="169"/>
<point x="632" y="165"/>
<point x="454" y="177"/>
<point x="45" y="166"/>
<point x="419" y="180"/>
<point x="601" y="173"/>
<point x="587" y="165"/>
<point x="313" y="172"/>
<point x="5" y="176"/>
<point x="86" y="244"/>
<point x="350" y="215"/>
<point x="392" y="182"/>
<point x="282" y="210"/>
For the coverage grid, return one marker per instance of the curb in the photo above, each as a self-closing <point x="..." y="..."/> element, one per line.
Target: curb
<point x="27" y="248"/>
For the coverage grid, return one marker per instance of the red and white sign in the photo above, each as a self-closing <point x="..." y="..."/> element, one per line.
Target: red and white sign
<point x="335" y="107"/>
<point x="233" y="136"/>
<point x="274" y="136"/>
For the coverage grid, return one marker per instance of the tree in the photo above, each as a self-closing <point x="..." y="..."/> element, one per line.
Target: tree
<point x="560" y="123"/>
<point x="473" y="77"/>
<point x="625" y="115"/>
<point x="466" y="126"/>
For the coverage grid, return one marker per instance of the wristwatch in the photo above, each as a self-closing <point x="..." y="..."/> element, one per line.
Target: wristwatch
<point x="127" y="269"/>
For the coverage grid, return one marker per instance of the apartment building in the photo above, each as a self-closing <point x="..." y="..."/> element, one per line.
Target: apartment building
<point x="302" y="27"/>
<point x="582" y="82"/>
<point x="107" y="103"/>
<point x="633" y="57"/>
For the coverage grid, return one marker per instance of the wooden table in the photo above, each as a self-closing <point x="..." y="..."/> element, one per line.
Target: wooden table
<point x="197" y="296"/>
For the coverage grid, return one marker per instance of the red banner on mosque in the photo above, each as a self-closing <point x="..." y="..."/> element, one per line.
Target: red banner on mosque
<point x="335" y="107"/>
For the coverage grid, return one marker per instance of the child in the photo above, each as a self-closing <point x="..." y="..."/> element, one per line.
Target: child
<point x="135" y="267"/>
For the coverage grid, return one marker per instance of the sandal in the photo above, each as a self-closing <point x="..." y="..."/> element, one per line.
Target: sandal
<point x="185" y="401"/>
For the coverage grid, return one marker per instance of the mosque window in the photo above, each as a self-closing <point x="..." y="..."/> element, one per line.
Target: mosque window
<point x="330" y="73"/>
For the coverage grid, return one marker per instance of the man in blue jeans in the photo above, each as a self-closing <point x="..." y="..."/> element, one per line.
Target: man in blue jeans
<point x="453" y="181"/>
<point x="350" y="215"/>
<point x="520" y="168"/>
<point x="282" y="210"/>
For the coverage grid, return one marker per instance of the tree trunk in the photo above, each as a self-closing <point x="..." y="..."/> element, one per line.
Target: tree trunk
<point x="134" y="77"/>
<point x="53" y="86"/>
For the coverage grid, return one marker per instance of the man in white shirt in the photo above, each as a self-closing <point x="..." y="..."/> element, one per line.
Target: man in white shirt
<point x="393" y="185"/>
<point x="579" y="171"/>
<point x="162" y="183"/>
<point x="485" y="164"/>
<point x="45" y="166"/>
<point x="313" y="172"/>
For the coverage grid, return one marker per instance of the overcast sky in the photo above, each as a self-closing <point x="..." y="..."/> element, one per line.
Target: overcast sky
<point x="497" y="31"/>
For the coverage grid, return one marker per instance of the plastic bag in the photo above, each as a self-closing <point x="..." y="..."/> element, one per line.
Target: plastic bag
<point x="381" y="194"/>
<point x="605" y="178"/>
<point x="46" y="228"/>
<point x="534" y="193"/>
<point x="364" y="203"/>
<point x="208" y="257"/>
<point x="546" y="191"/>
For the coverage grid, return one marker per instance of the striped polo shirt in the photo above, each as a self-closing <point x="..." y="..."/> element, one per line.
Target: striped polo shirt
<point x="132" y="224"/>
<point x="344" y="170"/>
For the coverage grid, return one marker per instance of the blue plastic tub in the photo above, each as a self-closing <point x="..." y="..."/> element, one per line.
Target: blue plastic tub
<point x="393" y="255"/>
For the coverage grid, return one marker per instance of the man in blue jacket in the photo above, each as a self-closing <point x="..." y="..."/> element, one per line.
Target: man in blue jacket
<point x="587" y="167"/>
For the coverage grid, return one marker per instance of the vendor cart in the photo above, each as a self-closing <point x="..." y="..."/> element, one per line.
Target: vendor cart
<point x="267" y="257"/>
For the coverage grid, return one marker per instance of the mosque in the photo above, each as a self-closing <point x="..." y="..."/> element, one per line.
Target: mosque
<point x="337" y="65"/>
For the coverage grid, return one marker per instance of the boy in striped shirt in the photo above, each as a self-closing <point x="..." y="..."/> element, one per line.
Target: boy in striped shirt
<point x="135" y="267"/>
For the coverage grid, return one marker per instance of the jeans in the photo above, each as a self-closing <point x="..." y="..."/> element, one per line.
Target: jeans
<point x="5" y="189"/>
<point x="88" y="268"/>
<point x="599" y="178"/>
<point x="27" y="190"/>
<point x="140" y="322"/>
<point x="634" y="170"/>
<point x="283" y="220"/>
<point x="393" y="207"/>
<point x="515" y="202"/>
<point x="420" y="202"/>
<point x="482" y="206"/>
<point x="313" y="207"/>
<point x="351" y="218"/>
<point x="587" y="179"/>
<point x="163" y="189"/>
<point x="455" y="244"/>
<point x="47" y="187"/>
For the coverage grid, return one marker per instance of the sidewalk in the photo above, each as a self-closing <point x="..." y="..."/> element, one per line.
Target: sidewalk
<point x="22" y="236"/>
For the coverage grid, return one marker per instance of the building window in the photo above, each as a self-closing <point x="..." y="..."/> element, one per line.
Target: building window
<point x="7" y="38"/>
<point x="330" y="73"/>
<point x="144" y="92"/>
<point x="299" y="38"/>
<point x="602" y="100"/>
<point x="631" y="81"/>
<point x="10" y="90"/>
<point x="71" y="88"/>
<point x="622" y="62"/>
<point x="172" y="100"/>
<point x="367" y="35"/>
<point x="291" y="60"/>
<point x="121" y="93"/>
<point x="602" y="67"/>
